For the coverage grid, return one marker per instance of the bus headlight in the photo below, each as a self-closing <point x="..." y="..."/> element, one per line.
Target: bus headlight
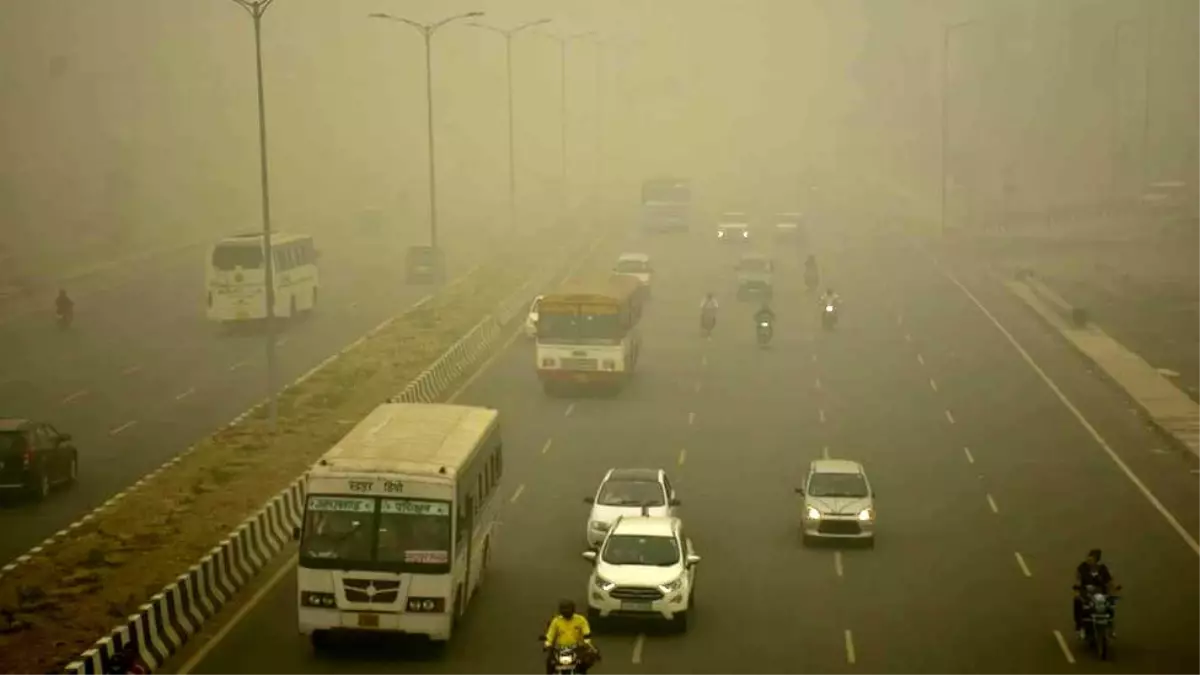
<point x="812" y="514"/>
<point x="547" y="363"/>
<point x="609" y="364"/>
<point x="425" y="605"/>
<point x="317" y="599"/>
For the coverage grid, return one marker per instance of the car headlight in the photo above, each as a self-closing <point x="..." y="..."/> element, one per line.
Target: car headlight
<point x="720" y="234"/>
<point x="745" y="234"/>
<point x="609" y="364"/>
<point x="598" y="525"/>
<point x="603" y="584"/>
<point x="866" y="514"/>
<point x="547" y="363"/>
<point x="828" y="308"/>
<point x="671" y="586"/>
<point x="812" y="513"/>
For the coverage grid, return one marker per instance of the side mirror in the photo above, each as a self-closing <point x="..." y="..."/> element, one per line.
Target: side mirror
<point x="589" y="556"/>
<point x="589" y="500"/>
<point x="675" y="501"/>
<point x="296" y="533"/>
<point x="799" y="491"/>
<point x="693" y="560"/>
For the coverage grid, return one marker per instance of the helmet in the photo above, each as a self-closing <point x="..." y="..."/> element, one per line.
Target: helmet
<point x="1094" y="554"/>
<point x="829" y="291"/>
<point x="566" y="607"/>
<point x="709" y="295"/>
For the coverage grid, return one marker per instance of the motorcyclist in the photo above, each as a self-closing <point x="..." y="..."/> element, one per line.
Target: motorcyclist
<point x="568" y="629"/>
<point x="63" y="305"/>
<point x="764" y="314"/>
<point x="708" y="311"/>
<point x="127" y="661"/>
<point x="830" y="297"/>
<point x="1095" y="574"/>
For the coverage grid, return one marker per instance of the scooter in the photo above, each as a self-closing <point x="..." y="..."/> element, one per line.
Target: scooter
<point x="707" y="322"/>
<point x="765" y="332"/>
<point x="829" y="316"/>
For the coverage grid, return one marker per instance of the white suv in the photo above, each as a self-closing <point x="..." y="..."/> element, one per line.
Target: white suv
<point x="838" y="501"/>
<point x="625" y="492"/>
<point x="646" y="569"/>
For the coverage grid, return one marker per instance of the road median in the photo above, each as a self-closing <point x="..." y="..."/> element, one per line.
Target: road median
<point x="54" y="605"/>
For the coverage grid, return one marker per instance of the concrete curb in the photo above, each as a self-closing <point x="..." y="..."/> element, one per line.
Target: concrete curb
<point x="163" y="625"/>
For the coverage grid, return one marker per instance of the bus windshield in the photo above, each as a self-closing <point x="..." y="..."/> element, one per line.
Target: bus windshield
<point x="231" y="257"/>
<point x="577" y="327"/>
<point x="668" y="191"/>
<point x="373" y="533"/>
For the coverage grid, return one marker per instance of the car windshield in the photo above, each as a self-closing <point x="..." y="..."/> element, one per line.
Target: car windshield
<point x="627" y="549"/>
<point x="632" y="267"/>
<point x="537" y="302"/>
<point x="754" y="265"/>
<point x="631" y="493"/>
<point x="369" y="532"/>
<point x="837" y="485"/>
<point x="232" y="256"/>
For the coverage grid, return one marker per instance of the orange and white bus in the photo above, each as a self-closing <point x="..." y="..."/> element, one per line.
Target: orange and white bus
<point x="587" y="334"/>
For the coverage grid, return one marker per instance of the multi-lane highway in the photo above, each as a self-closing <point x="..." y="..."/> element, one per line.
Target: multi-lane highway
<point x="996" y="469"/>
<point x="142" y="374"/>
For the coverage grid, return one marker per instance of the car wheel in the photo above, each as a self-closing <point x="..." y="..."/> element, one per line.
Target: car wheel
<point x="871" y="543"/>
<point x="319" y="640"/>
<point x="681" y="622"/>
<point x="41" y="487"/>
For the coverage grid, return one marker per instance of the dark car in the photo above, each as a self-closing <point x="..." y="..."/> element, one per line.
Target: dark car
<point x="35" y="457"/>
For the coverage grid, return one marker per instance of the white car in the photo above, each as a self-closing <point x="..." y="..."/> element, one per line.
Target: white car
<point x="646" y="569"/>
<point x="626" y="492"/>
<point x="636" y="265"/>
<point x="733" y="226"/>
<point x="838" y="501"/>
<point x="532" y="319"/>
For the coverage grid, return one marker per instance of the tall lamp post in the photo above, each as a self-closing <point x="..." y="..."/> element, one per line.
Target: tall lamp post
<point x="427" y="30"/>
<point x="1114" y="141"/>
<point x="563" y="41"/>
<point x="508" y="35"/>
<point x="946" y="31"/>
<point x="256" y="9"/>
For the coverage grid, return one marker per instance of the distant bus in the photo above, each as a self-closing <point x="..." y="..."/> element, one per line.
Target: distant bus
<point x="666" y="204"/>
<point x="236" y="278"/>
<point x="588" y="335"/>
<point x="398" y="522"/>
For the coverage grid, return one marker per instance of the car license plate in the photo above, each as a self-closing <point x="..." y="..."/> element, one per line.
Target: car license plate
<point x="636" y="606"/>
<point x="368" y="621"/>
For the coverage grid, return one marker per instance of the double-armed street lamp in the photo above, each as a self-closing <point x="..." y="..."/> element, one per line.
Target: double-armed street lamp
<point x="564" y="40"/>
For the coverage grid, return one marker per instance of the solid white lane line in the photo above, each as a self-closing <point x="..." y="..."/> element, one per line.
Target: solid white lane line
<point x="189" y="392"/>
<point x="992" y="504"/>
<point x="638" y="645"/>
<point x="933" y="385"/>
<point x="121" y="428"/>
<point x="825" y="452"/>
<point x="546" y="445"/>
<point x="237" y="365"/>
<point x="1158" y="505"/>
<point x="1066" y="649"/>
<point x="517" y="494"/>
<point x="850" y="658"/>
<point x="837" y="562"/>
<point x="682" y="456"/>
<point x="79" y="394"/>
<point x="691" y="418"/>
<point x="1021" y="562"/>
<point x="131" y="370"/>
<point x="920" y="359"/>
<point x="821" y="414"/>
<point x="970" y="457"/>
<point x="570" y="409"/>
<point x="949" y="416"/>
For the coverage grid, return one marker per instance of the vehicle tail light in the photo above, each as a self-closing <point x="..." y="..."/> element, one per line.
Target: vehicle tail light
<point x="27" y="453"/>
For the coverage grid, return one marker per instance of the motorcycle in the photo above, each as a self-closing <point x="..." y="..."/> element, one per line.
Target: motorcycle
<point x="1097" y="625"/>
<point x="765" y="332"/>
<point x="829" y="317"/>
<point x="64" y="319"/>
<point x="564" y="660"/>
<point x="708" y="320"/>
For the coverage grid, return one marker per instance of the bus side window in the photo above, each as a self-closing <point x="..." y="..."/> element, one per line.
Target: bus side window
<point x="482" y="488"/>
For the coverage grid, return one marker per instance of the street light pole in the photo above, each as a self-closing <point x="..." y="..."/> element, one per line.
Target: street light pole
<point x="512" y="162"/>
<point x="1114" y="124"/>
<point x="427" y="31"/>
<point x="562" y="45"/>
<point x="946" y="108"/>
<point x="256" y="9"/>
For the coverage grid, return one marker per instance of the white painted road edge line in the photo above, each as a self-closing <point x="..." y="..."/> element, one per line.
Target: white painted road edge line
<point x="185" y="394"/>
<point x="79" y="394"/>
<point x="1154" y="501"/>
<point x="1066" y="649"/>
<point x="638" y="645"/>
<point x="850" y="657"/>
<point x="121" y="428"/>
<point x="1021" y="563"/>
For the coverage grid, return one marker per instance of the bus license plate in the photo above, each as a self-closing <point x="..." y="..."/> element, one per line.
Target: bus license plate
<point x="368" y="621"/>
<point x="636" y="606"/>
<point x="242" y="314"/>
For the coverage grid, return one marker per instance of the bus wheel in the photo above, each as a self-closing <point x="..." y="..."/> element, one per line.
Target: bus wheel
<point x="319" y="640"/>
<point x="458" y="608"/>
<point x="483" y="564"/>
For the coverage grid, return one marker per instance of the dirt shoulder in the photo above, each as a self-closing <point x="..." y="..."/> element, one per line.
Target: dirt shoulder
<point x="57" y="604"/>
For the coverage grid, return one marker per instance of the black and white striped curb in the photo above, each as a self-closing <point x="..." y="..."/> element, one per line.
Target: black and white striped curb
<point x="164" y="624"/>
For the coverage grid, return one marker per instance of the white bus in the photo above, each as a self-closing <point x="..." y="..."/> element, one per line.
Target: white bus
<point x="236" y="277"/>
<point x="398" y="522"/>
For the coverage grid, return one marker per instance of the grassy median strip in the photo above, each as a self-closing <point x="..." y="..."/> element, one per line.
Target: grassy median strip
<point x="57" y="604"/>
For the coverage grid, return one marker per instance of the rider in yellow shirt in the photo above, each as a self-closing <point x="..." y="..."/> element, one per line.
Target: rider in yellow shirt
<point x="568" y="629"/>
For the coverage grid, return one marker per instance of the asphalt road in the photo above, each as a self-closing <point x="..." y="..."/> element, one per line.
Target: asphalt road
<point x="143" y="374"/>
<point x="990" y="490"/>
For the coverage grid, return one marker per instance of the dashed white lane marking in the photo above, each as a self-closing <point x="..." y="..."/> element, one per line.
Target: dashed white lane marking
<point x="79" y="394"/>
<point x="638" y="645"/>
<point x="123" y="427"/>
<point x="933" y="385"/>
<point x="970" y="457"/>
<point x="570" y="409"/>
<point x="850" y="658"/>
<point x="691" y="418"/>
<point x="837" y="562"/>
<point x="546" y="445"/>
<point x="814" y="358"/>
<point x="185" y="394"/>
<point x="907" y="337"/>
<point x="949" y="417"/>
<point x="992" y="504"/>
<point x="825" y="452"/>
<point x="698" y="386"/>
<point x="1021" y="563"/>
<point x="237" y="365"/>
<point x="682" y="456"/>
<point x="817" y="383"/>
<point x="131" y="370"/>
<point x="821" y="414"/>
<point x="281" y="342"/>
<point x="1112" y="454"/>
<point x="704" y="360"/>
<point x="1066" y="649"/>
<point x="517" y="494"/>
<point x="899" y="319"/>
<point x="920" y="359"/>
